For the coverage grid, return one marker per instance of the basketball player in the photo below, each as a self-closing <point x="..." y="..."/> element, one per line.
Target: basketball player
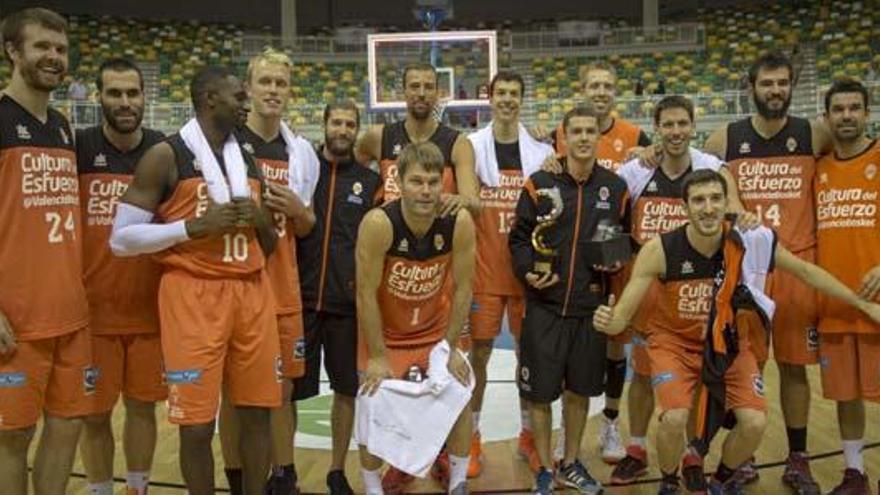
<point x="618" y="139"/>
<point x="126" y="348"/>
<point x="383" y="143"/>
<point x="658" y="208"/>
<point x="403" y="304"/>
<point x="216" y="306"/>
<point x="772" y="157"/>
<point x="846" y="190"/>
<point x="558" y="346"/>
<point x="691" y="266"/>
<point x="268" y="85"/>
<point x="45" y="349"/>
<point x="346" y="191"/>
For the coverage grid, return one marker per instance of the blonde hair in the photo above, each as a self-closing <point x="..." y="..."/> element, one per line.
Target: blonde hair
<point x="595" y="65"/>
<point x="269" y="55"/>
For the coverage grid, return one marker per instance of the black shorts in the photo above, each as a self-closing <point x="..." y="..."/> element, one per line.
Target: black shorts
<point x="556" y="352"/>
<point x="337" y="335"/>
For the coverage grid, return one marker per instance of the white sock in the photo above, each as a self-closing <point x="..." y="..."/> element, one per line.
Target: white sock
<point x="852" y="453"/>
<point x="476" y="416"/>
<point x="525" y="419"/>
<point x="101" y="488"/>
<point x="372" y="481"/>
<point x="458" y="467"/>
<point x="639" y="441"/>
<point x="137" y="481"/>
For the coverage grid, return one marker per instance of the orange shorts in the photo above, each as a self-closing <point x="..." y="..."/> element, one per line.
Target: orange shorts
<point x="293" y="345"/>
<point x="218" y="332"/>
<point x="54" y="375"/>
<point x="487" y="312"/>
<point x="794" y="335"/>
<point x="849" y="364"/>
<point x="128" y="364"/>
<point x="675" y="375"/>
<point x="641" y="363"/>
<point x="400" y="359"/>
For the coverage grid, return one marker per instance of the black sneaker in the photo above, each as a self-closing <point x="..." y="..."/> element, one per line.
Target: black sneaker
<point x="282" y="485"/>
<point x="692" y="472"/>
<point x="337" y="484"/>
<point x="669" y="485"/>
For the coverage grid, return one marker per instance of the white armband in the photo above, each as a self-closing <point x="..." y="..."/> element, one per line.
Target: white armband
<point x="134" y="234"/>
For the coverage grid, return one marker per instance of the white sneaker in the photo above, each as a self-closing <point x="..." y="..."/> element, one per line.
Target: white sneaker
<point x="609" y="442"/>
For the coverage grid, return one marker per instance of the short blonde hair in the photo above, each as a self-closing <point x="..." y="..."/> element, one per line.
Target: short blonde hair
<point x="269" y="55"/>
<point x="595" y="65"/>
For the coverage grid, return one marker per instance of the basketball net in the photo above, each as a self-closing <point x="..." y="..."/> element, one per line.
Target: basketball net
<point x="440" y="108"/>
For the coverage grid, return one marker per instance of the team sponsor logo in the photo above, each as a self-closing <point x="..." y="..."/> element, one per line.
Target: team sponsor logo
<point x="618" y="145"/>
<point x="248" y="147"/>
<point x="652" y="186"/>
<point x="357" y="200"/>
<point x="391" y="188"/>
<point x="658" y="215"/>
<point x="299" y="349"/>
<point x="102" y="200"/>
<point x="100" y="161"/>
<point x="403" y="247"/>
<point x="823" y="178"/>
<point x="506" y="194"/>
<point x="745" y="148"/>
<point x="846" y="208"/>
<point x="870" y="171"/>
<point x="770" y="180"/>
<point x="180" y="377"/>
<point x="91" y="374"/>
<point x="48" y="179"/>
<point x="357" y="188"/>
<point x="22" y="131"/>
<point x="661" y="378"/>
<point x="604" y="194"/>
<point x="694" y="300"/>
<point x="439" y="242"/>
<point x="758" y="384"/>
<point x="278" y="175"/>
<point x="687" y="267"/>
<point x="413" y="282"/>
<point x="812" y="339"/>
<point x="13" y="379"/>
<point x="791" y="144"/>
<point x="173" y="402"/>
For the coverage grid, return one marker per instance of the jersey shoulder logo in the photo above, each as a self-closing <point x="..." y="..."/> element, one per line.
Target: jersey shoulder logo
<point x="248" y="147"/>
<point x="687" y="267"/>
<point x="403" y="247"/>
<point x="745" y="148"/>
<point x="791" y="144"/>
<point x="870" y="171"/>
<point x="22" y="131"/>
<point x="100" y="161"/>
<point x="439" y="242"/>
<point x="652" y="186"/>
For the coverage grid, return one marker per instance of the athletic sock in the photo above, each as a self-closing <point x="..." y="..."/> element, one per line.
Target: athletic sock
<point x="639" y="441"/>
<point x="723" y="473"/>
<point x="852" y="454"/>
<point x="101" y="488"/>
<point x="137" y="481"/>
<point x="372" y="481"/>
<point x="458" y="467"/>
<point x="797" y="439"/>
<point x="615" y="375"/>
<point x="476" y="420"/>
<point x="234" y="477"/>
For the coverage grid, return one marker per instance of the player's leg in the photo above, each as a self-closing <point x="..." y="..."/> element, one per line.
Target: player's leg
<point x="197" y="457"/>
<point x="281" y="420"/>
<point x="516" y="309"/>
<point x="307" y="386"/>
<point x="371" y="472"/>
<point x="458" y="444"/>
<point x="340" y="345"/>
<point x="640" y="406"/>
<point x="14" y="446"/>
<point x="486" y="315"/>
<point x="229" y="429"/>
<point x="97" y="445"/>
<point x="254" y="446"/>
<point x="741" y="443"/>
<point x="615" y="372"/>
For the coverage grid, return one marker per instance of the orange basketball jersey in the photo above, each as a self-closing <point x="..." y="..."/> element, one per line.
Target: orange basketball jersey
<point x="774" y="176"/>
<point x="394" y="138"/>
<point x="122" y="292"/>
<point x="613" y="143"/>
<point x="848" y="231"/>
<point x="494" y="272"/>
<point x="230" y="255"/>
<point x="415" y="296"/>
<point x="40" y="232"/>
<point x="271" y="157"/>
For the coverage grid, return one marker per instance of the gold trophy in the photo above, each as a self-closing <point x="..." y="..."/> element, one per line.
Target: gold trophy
<point x="544" y="254"/>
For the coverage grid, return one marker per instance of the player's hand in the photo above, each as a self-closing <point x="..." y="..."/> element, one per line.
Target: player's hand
<point x="747" y="220"/>
<point x="281" y="199"/>
<point x="7" y="336"/>
<point x="870" y="284"/>
<point x="451" y="203"/>
<point x="871" y="309"/>
<point x="218" y="219"/>
<point x="552" y="164"/>
<point x="458" y="367"/>
<point x="603" y="318"/>
<point x="377" y="370"/>
<point x="540" y="132"/>
<point x="247" y="212"/>
<point x="541" y="280"/>
<point x="649" y="156"/>
<point x="609" y="268"/>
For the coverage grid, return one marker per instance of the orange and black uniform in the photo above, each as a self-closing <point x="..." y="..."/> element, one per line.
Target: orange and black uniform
<point x="774" y="178"/>
<point x="558" y="343"/>
<point x="415" y="296"/>
<point x="678" y="320"/>
<point x="43" y="296"/>
<point x="848" y="231"/>
<point x="496" y="288"/>
<point x="272" y="159"/>
<point x="216" y="307"/>
<point x="394" y="138"/>
<point x="122" y="292"/>
<point x="346" y="191"/>
<point x="614" y="143"/>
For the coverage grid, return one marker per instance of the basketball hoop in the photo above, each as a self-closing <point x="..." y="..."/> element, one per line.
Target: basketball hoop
<point x="440" y="108"/>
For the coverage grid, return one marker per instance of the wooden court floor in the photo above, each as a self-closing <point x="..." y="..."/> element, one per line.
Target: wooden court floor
<point x="505" y="473"/>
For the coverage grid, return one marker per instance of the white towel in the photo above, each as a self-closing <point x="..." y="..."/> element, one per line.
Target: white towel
<point x="532" y="154"/>
<point x="303" y="166"/>
<point x="220" y="188"/>
<point x="760" y="245"/>
<point x="637" y="176"/>
<point x="406" y="423"/>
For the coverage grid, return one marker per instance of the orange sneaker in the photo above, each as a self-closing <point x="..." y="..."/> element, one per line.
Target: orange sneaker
<point x="526" y="450"/>
<point x="395" y="481"/>
<point x="475" y="465"/>
<point x="440" y="470"/>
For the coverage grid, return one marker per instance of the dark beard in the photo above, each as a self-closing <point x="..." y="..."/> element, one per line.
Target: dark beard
<point x="114" y="124"/>
<point x="765" y="111"/>
<point x="337" y="148"/>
